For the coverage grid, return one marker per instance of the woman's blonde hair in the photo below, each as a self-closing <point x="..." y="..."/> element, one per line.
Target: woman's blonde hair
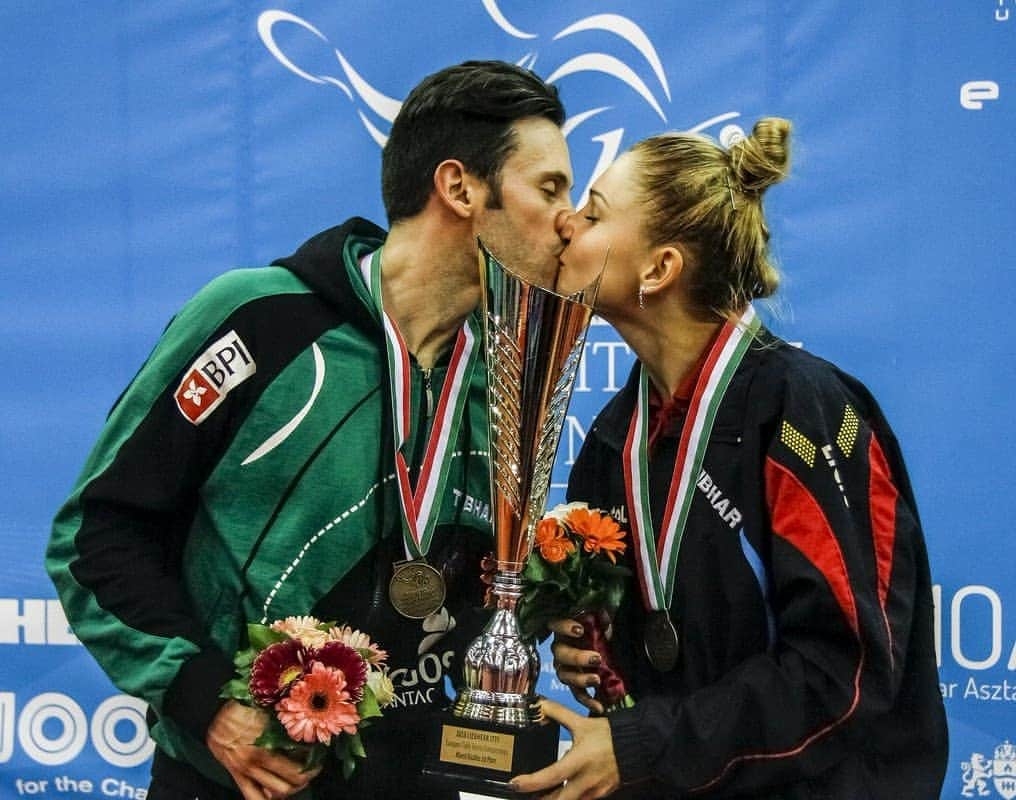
<point x="709" y="200"/>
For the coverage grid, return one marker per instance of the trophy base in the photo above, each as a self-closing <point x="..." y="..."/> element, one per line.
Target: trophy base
<point x="482" y="757"/>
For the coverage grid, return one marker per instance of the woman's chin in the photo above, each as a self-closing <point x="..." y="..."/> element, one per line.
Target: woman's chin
<point x="571" y="279"/>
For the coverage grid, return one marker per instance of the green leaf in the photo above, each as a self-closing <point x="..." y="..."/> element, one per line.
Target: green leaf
<point x="236" y="689"/>
<point x="341" y="748"/>
<point x="625" y="702"/>
<point x="244" y="658"/>
<point x="356" y="745"/>
<point x="605" y="570"/>
<point x="315" y="757"/>
<point x="558" y="575"/>
<point x="612" y="597"/>
<point x="368" y="707"/>
<point x="537" y="570"/>
<point x="274" y="737"/>
<point x="274" y="740"/>
<point x="260" y="636"/>
<point x="590" y="600"/>
<point x="348" y="766"/>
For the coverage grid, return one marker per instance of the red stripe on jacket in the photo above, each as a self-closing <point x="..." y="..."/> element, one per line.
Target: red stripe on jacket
<point x="798" y="519"/>
<point x="882" y="497"/>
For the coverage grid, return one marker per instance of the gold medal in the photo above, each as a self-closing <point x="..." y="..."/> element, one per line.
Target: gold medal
<point x="416" y="589"/>
<point x="660" y="638"/>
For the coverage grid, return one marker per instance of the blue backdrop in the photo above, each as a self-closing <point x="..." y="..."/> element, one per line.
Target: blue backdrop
<point x="147" y="147"/>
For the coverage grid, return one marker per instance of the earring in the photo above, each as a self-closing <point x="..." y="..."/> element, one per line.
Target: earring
<point x="642" y="297"/>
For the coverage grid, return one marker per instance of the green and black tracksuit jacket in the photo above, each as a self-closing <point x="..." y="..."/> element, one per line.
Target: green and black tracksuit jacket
<point x="246" y="474"/>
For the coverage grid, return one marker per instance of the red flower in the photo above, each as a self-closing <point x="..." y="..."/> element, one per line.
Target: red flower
<point x="360" y="642"/>
<point x="275" y="669"/>
<point x="337" y="655"/>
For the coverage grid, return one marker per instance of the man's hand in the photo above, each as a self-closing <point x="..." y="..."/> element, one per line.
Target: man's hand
<point x="575" y="667"/>
<point x="259" y="774"/>
<point x="589" y="768"/>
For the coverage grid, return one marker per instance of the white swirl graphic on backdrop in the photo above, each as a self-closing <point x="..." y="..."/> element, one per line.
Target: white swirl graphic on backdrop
<point x="627" y="30"/>
<point x="376" y="110"/>
<point x="601" y="62"/>
<point x="503" y="23"/>
<point x="376" y="102"/>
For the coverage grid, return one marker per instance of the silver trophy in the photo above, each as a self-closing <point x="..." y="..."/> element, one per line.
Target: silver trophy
<point x="533" y="343"/>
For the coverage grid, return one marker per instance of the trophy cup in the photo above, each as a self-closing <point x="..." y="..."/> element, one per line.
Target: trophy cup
<point x="533" y="344"/>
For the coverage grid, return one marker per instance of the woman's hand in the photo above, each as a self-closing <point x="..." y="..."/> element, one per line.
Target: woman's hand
<point x="259" y="774"/>
<point x="588" y="770"/>
<point x="575" y="667"/>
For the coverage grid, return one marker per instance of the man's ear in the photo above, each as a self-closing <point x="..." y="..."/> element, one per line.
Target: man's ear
<point x="663" y="268"/>
<point x="457" y="190"/>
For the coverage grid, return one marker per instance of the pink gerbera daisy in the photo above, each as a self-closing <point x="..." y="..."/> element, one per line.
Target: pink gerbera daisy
<point x="318" y="707"/>
<point x="275" y="669"/>
<point x="347" y="660"/>
<point x="306" y="629"/>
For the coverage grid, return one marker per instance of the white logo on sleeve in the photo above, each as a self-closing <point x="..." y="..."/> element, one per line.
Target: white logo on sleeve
<point x="215" y="373"/>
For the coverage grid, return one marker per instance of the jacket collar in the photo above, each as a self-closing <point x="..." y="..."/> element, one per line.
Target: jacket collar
<point x="321" y="263"/>
<point x="611" y="426"/>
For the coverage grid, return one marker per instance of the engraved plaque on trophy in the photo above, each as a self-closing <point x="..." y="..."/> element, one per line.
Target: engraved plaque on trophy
<point x="533" y="341"/>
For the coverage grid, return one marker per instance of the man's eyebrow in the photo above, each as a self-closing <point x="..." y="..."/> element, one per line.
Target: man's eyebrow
<point x="599" y="196"/>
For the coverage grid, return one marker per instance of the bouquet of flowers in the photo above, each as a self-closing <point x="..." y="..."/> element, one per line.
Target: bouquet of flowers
<point x="573" y="573"/>
<point x="321" y="684"/>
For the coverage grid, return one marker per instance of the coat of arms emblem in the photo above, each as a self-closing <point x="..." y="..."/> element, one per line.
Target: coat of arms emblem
<point x="1004" y="770"/>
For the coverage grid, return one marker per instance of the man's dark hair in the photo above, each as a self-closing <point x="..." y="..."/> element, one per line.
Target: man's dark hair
<point x="464" y="112"/>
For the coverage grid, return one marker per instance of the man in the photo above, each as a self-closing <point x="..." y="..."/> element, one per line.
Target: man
<point x="251" y="470"/>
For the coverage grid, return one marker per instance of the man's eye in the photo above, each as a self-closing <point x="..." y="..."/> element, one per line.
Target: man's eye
<point x="592" y="218"/>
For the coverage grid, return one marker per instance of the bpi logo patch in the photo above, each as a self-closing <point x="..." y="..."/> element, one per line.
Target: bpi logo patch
<point x="1001" y="771"/>
<point x="216" y="372"/>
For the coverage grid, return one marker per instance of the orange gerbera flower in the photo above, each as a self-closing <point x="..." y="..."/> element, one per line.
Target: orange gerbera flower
<point x="547" y="529"/>
<point x="556" y="550"/>
<point x="318" y="707"/>
<point x="553" y="543"/>
<point x="599" y="532"/>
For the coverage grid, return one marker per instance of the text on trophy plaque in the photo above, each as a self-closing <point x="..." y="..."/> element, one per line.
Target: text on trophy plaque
<point x="476" y="748"/>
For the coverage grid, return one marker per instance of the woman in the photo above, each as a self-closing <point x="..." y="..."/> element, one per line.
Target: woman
<point x="778" y="641"/>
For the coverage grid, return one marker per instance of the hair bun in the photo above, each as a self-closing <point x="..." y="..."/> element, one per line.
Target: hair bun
<point x="763" y="158"/>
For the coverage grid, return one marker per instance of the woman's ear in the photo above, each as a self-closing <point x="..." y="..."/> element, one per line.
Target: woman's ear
<point x="457" y="190"/>
<point x="663" y="268"/>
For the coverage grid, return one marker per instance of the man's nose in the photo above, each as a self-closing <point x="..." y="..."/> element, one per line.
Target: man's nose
<point x="564" y="223"/>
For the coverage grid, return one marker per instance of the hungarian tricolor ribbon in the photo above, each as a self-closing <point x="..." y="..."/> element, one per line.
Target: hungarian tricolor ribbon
<point x="656" y="556"/>
<point x="422" y="507"/>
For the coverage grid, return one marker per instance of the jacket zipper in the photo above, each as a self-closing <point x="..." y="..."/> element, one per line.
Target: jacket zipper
<point x="429" y="392"/>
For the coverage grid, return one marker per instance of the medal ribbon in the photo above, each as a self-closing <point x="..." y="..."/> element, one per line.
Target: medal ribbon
<point x="421" y="508"/>
<point x="657" y="556"/>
